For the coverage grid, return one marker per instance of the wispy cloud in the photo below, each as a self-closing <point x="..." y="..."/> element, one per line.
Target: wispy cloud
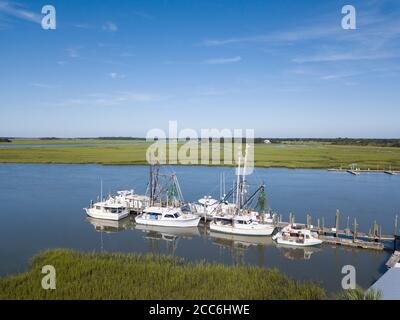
<point x="305" y="33"/>
<point x="83" y="26"/>
<point x="126" y="54"/>
<point x="110" y="26"/>
<point x="115" y="75"/>
<point x="348" y="56"/>
<point x="143" y="15"/>
<point x="43" y="85"/>
<point x="121" y="98"/>
<point x="73" y="53"/>
<point x="18" y="11"/>
<point x="223" y="60"/>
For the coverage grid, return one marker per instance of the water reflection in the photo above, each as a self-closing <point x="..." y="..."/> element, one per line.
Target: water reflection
<point x="166" y="240"/>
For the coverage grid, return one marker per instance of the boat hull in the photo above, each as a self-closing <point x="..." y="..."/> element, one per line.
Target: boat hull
<point x="105" y="215"/>
<point x="293" y="243"/>
<point x="182" y="223"/>
<point x="265" y="230"/>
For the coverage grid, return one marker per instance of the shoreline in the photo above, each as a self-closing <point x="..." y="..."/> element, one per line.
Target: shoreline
<point x="133" y="164"/>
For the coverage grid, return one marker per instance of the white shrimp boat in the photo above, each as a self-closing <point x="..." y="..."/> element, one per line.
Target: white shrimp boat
<point x="108" y="210"/>
<point x="242" y="221"/>
<point x="296" y="236"/>
<point x="167" y="217"/>
<point x="240" y="225"/>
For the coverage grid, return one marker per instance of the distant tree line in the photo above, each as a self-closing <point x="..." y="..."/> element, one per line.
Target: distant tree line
<point x="96" y="138"/>
<point x="336" y="141"/>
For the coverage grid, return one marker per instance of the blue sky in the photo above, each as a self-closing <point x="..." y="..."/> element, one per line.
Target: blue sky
<point x="120" y="68"/>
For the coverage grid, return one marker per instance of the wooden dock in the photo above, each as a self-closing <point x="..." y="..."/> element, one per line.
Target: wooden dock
<point x="346" y="237"/>
<point x="340" y="233"/>
<point x="359" y="171"/>
<point x="352" y="243"/>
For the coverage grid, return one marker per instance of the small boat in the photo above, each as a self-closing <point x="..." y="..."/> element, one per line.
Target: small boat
<point x="108" y="210"/>
<point x="241" y="225"/>
<point x="168" y="217"/>
<point x="296" y="236"/>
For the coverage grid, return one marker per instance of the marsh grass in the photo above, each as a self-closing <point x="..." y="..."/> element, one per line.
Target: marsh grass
<point x="316" y="155"/>
<point x="135" y="276"/>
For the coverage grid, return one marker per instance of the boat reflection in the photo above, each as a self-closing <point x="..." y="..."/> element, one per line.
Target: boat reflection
<point x="237" y="245"/>
<point x="168" y="233"/>
<point x="110" y="226"/>
<point x="238" y="240"/>
<point x="297" y="253"/>
<point x="170" y="236"/>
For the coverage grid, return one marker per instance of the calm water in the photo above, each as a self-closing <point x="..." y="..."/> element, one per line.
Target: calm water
<point x="41" y="207"/>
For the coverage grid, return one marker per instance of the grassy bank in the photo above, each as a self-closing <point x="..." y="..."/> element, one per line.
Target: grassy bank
<point x="133" y="276"/>
<point x="313" y="155"/>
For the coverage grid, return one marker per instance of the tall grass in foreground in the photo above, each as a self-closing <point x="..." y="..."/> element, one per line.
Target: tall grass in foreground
<point x="360" y="294"/>
<point x="135" y="276"/>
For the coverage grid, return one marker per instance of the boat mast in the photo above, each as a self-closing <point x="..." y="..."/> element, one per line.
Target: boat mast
<point x="238" y="181"/>
<point x="243" y="187"/>
<point x="151" y="185"/>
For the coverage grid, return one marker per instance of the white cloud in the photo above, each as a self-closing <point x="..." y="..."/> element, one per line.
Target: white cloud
<point x="223" y="60"/>
<point x="110" y="26"/>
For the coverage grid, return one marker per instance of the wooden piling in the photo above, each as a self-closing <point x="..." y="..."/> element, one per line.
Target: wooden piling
<point x="337" y="222"/>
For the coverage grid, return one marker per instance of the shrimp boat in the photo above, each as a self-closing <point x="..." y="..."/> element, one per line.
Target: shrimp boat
<point x="166" y="213"/>
<point x="243" y="221"/>
<point x="293" y="235"/>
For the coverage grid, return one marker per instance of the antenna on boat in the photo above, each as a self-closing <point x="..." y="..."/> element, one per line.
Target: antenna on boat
<point x="223" y="185"/>
<point x="238" y="181"/>
<point x="220" y="185"/>
<point x="101" y="190"/>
